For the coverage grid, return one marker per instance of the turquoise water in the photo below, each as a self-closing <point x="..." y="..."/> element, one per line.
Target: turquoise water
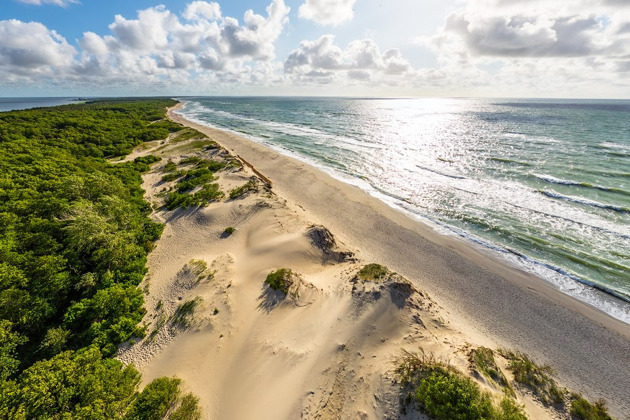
<point x="545" y="183"/>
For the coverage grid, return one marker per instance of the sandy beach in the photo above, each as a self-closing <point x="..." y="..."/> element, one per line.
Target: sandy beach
<point x="329" y="351"/>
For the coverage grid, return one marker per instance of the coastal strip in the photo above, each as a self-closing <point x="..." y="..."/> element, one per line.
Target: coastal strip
<point x="588" y="348"/>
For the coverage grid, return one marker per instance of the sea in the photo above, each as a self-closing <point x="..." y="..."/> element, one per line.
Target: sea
<point x="544" y="184"/>
<point x="10" y="104"/>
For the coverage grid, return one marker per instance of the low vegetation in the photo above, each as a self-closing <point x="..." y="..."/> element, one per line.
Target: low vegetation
<point x="538" y="379"/>
<point x="373" y="272"/>
<point x="444" y="393"/>
<point x="186" y="134"/>
<point x="482" y="360"/>
<point x="184" y="313"/>
<point x="170" y="166"/>
<point x="584" y="410"/>
<point x="228" y="231"/>
<point x="280" y="280"/>
<point x="74" y="239"/>
<point x="162" y="399"/>
<point x="243" y="189"/>
<point x="194" y="186"/>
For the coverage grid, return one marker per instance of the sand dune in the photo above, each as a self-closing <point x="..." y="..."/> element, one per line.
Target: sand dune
<point x="327" y="349"/>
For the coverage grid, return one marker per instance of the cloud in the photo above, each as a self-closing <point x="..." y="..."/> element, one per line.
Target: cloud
<point x="156" y="48"/>
<point x="532" y="48"/>
<point x="525" y="36"/>
<point x="327" y="12"/>
<point x="62" y="3"/>
<point x="361" y="60"/>
<point x="256" y="38"/>
<point x="32" y="46"/>
<point x="198" y="10"/>
<point x="147" y="33"/>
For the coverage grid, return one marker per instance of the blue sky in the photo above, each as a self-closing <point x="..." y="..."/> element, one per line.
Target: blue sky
<point x="525" y="48"/>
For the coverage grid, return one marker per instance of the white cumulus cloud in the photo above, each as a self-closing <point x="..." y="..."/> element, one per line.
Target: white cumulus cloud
<point x="32" y="46"/>
<point x="322" y="60"/>
<point x="327" y="12"/>
<point x="198" y="10"/>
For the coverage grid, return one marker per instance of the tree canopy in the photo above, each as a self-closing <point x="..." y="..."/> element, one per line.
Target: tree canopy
<point x="74" y="239"/>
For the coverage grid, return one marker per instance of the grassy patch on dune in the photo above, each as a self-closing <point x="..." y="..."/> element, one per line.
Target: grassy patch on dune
<point x="444" y="393"/>
<point x="584" y="410"/>
<point x="194" y="185"/>
<point x="184" y="312"/>
<point x="537" y="378"/>
<point x="187" y="134"/>
<point x="280" y="280"/>
<point x="373" y="272"/>
<point x="482" y="360"/>
<point x="243" y="189"/>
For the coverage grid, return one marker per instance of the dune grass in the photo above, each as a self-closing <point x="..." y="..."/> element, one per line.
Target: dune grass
<point x="482" y="360"/>
<point x="373" y="272"/>
<point x="443" y="393"/>
<point x="584" y="410"/>
<point x="280" y="280"/>
<point x="184" y="312"/>
<point x="243" y="189"/>
<point x="539" y="379"/>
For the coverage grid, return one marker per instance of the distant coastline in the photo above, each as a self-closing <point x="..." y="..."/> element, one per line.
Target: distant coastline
<point x="14" y="104"/>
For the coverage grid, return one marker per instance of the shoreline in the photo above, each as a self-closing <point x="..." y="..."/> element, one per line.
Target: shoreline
<point x="587" y="346"/>
<point x="596" y="296"/>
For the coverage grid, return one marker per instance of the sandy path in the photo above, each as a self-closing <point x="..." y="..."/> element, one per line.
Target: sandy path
<point x="589" y="349"/>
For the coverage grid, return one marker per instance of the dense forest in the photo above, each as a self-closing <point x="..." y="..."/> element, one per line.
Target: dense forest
<point x="74" y="239"/>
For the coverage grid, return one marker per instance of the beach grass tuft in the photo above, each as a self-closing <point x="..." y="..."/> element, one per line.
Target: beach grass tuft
<point x="373" y="272"/>
<point x="280" y="280"/>
<point x="539" y="379"/>
<point x="243" y="189"/>
<point x="184" y="312"/>
<point x="482" y="360"/>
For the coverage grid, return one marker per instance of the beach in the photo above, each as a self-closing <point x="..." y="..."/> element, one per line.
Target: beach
<point x="282" y="360"/>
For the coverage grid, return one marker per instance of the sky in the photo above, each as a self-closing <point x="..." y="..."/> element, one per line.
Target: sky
<point x="365" y="48"/>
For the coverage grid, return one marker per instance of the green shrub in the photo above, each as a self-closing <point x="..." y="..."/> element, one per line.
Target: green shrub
<point x="444" y="393"/>
<point x="172" y="176"/>
<point x="209" y="192"/>
<point x="446" y="396"/>
<point x="280" y="280"/>
<point x="373" y="272"/>
<point x="170" y="166"/>
<point x="155" y="400"/>
<point x="228" y="231"/>
<point x="188" y="409"/>
<point x="584" y="410"/>
<point x="194" y="178"/>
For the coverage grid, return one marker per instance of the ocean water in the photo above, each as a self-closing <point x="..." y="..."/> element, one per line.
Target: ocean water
<point x="10" y="104"/>
<point x="545" y="184"/>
